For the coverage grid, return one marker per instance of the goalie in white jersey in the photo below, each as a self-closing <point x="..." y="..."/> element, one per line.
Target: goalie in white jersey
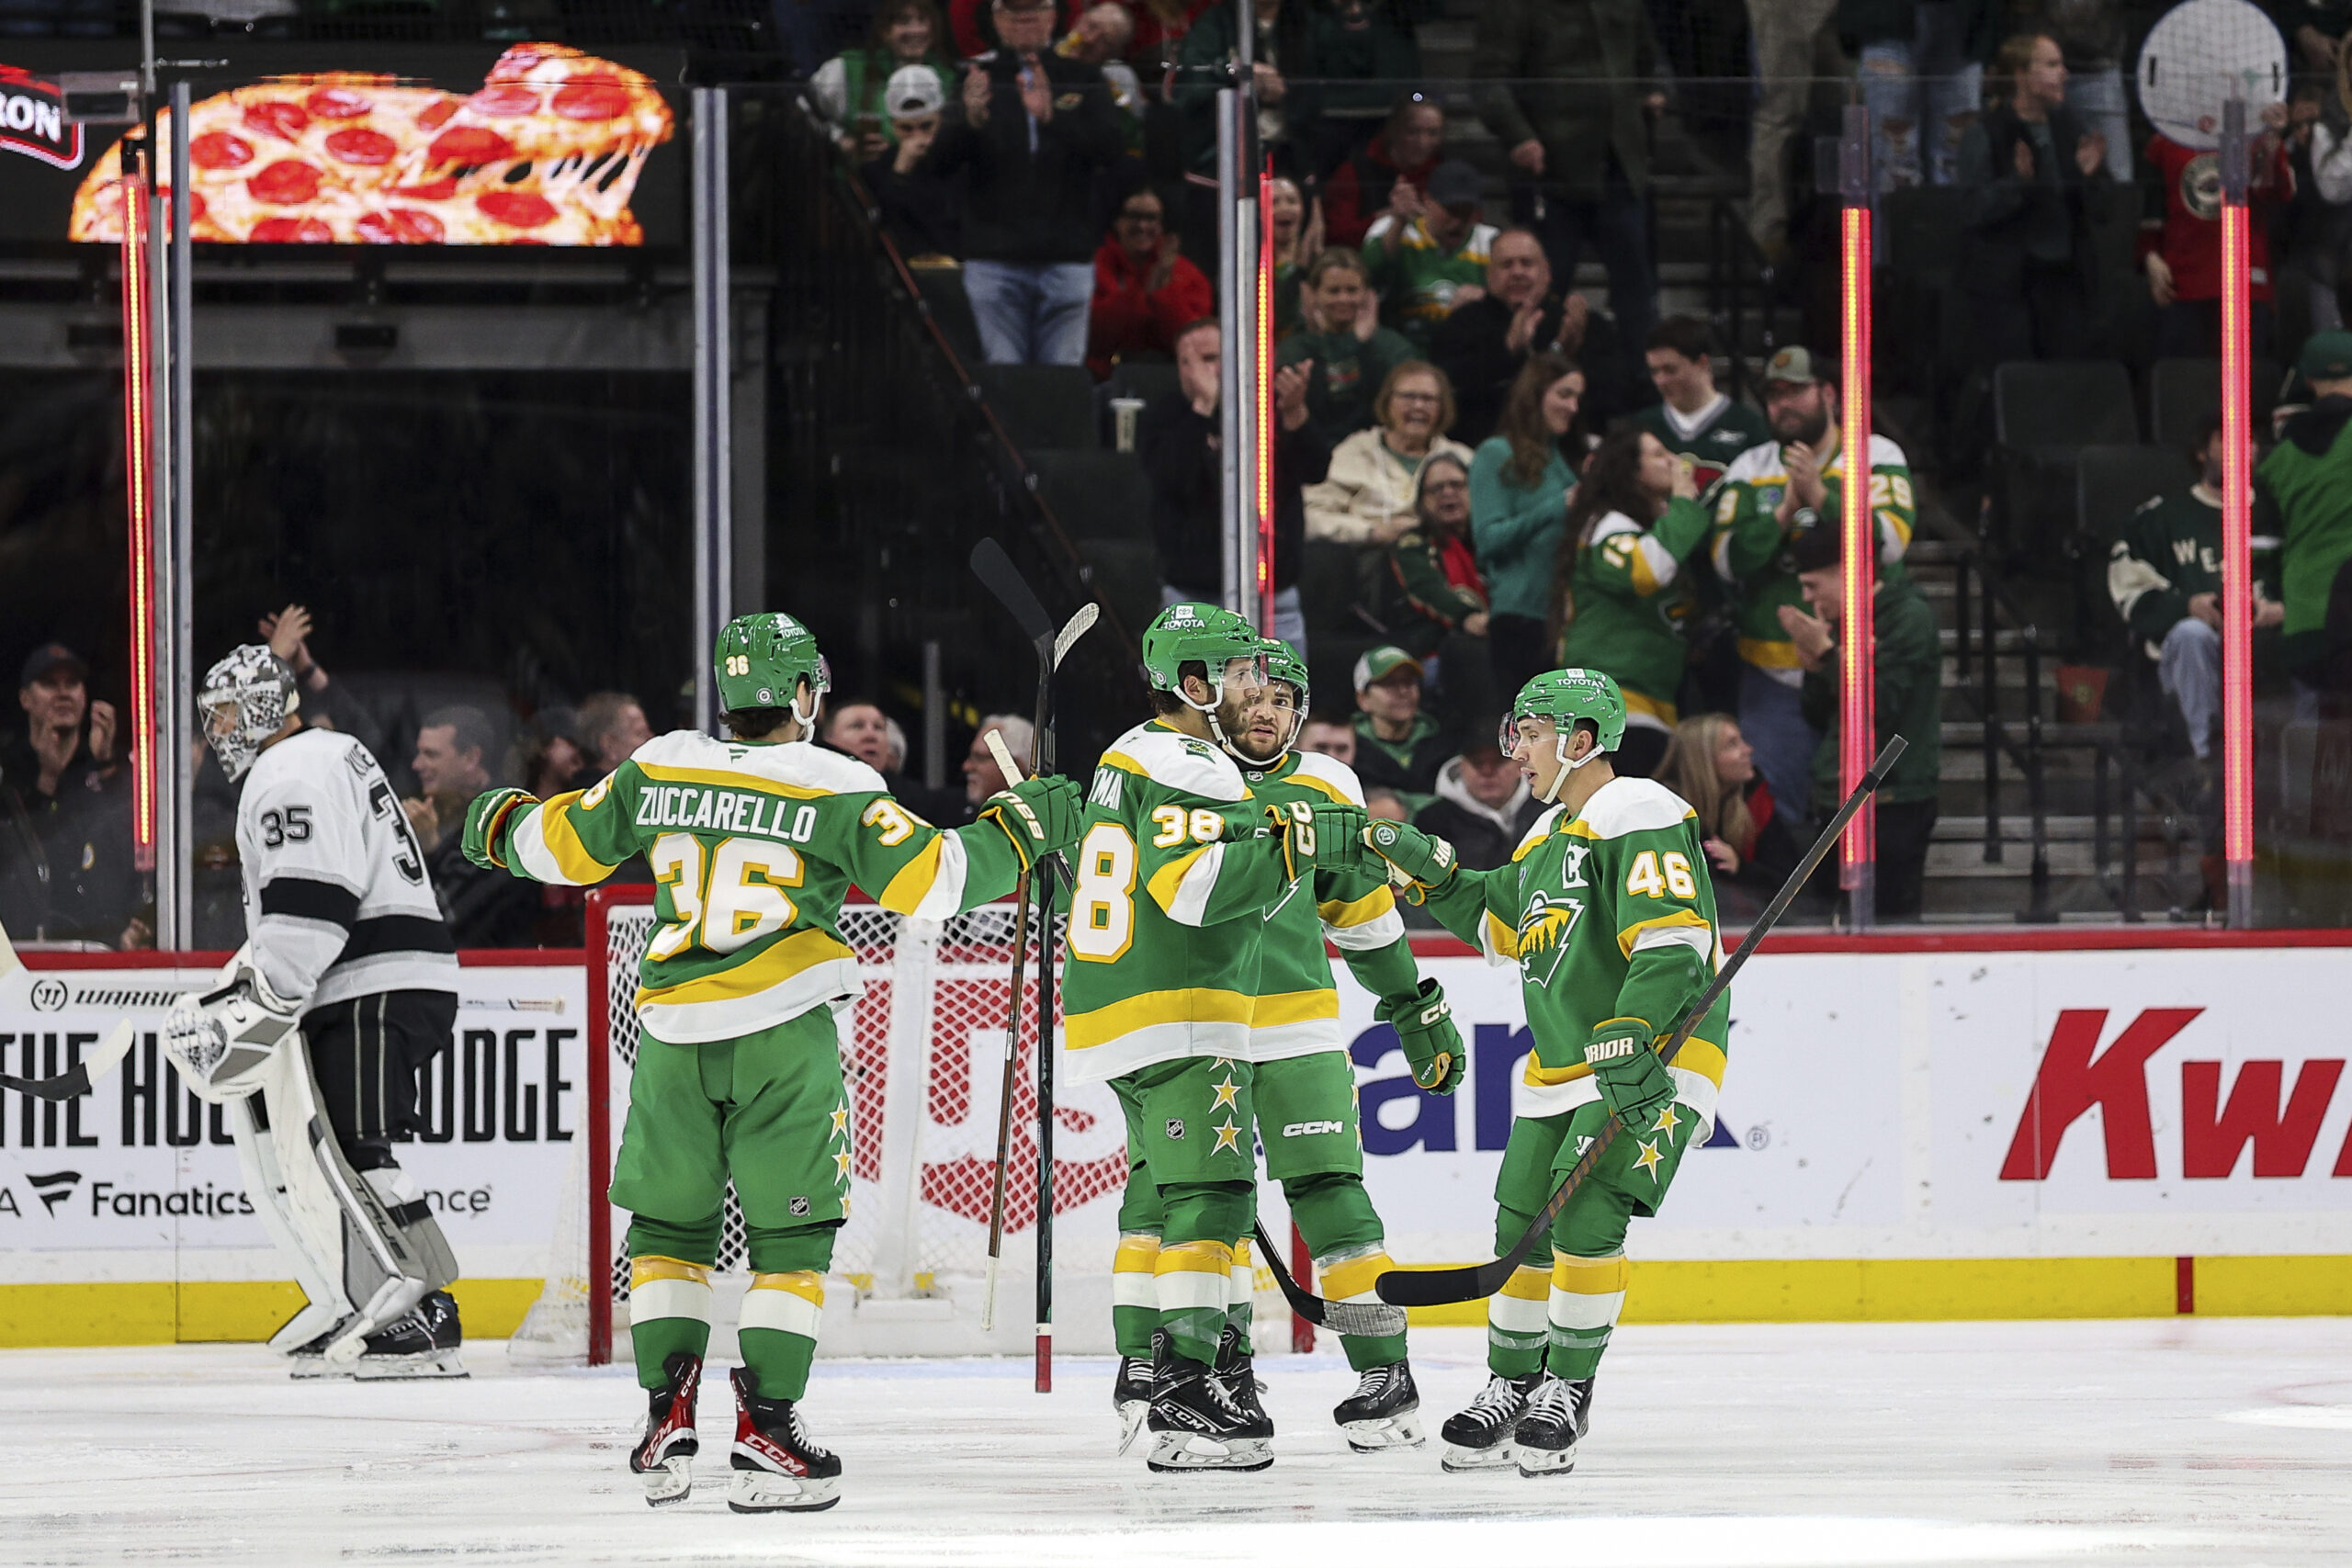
<point x="345" y="988"/>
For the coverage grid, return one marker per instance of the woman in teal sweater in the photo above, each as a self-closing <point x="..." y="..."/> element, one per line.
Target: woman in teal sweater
<point x="1519" y="503"/>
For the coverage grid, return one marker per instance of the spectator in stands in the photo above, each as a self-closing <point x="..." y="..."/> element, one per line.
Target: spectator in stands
<point x="922" y="209"/>
<point x="326" y="706"/>
<point x="66" y="867"/>
<point x="1289" y="78"/>
<point x="1398" y="747"/>
<point x="612" y="726"/>
<point x="1340" y="330"/>
<point x="1430" y="598"/>
<point x="1907" y="666"/>
<point x="1385" y="805"/>
<point x="484" y="907"/>
<point x="1363" y="49"/>
<point x="1486" y="339"/>
<point x="2165" y="574"/>
<point x="1299" y="239"/>
<point x="1623" y="585"/>
<point x="1386" y="177"/>
<point x="1922" y="75"/>
<point x="816" y="30"/>
<point x="2037" y="181"/>
<point x="1774" y="492"/>
<point x="1329" y="737"/>
<point x="1038" y="130"/>
<point x="2303" y="493"/>
<point x="1751" y="848"/>
<point x="849" y="90"/>
<point x="1367" y="498"/>
<point x="1518" y="503"/>
<point x="547" y="755"/>
<point x="2314" y="230"/>
<point x="1794" y="46"/>
<point x="2091" y="37"/>
<point x="1101" y="38"/>
<point x="1484" y="806"/>
<point x="1144" y="291"/>
<point x="452" y="746"/>
<point x="1562" y="87"/>
<point x="1424" y="265"/>
<point x="982" y="777"/>
<point x="972" y="25"/>
<point x="2183" y="264"/>
<point x="1176" y="442"/>
<point x="862" y="730"/>
<point x="1705" y="429"/>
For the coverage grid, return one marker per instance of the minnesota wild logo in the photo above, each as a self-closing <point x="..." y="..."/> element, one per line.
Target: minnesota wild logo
<point x="1544" y="935"/>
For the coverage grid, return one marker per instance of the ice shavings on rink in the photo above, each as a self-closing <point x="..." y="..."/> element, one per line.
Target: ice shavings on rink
<point x="2191" y="1442"/>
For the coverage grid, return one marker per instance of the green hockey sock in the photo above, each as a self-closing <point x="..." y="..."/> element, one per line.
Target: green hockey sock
<point x="1335" y="1216"/>
<point x="1587" y="1295"/>
<point x="1191" y="1280"/>
<point x="1240" y="1296"/>
<point x="669" y="1298"/>
<point x="1518" y="1322"/>
<point x="1134" y="1295"/>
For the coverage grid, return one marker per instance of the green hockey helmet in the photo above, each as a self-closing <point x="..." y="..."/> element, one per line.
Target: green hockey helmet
<point x="1185" y="632"/>
<point x="763" y="658"/>
<point x="1567" y="697"/>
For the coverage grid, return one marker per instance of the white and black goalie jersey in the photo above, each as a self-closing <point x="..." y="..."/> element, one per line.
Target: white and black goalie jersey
<point x="337" y="901"/>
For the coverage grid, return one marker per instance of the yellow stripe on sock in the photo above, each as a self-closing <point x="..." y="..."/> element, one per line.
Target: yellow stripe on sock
<point x="1527" y="1284"/>
<point x="653" y="1265"/>
<point x="789" y="1302"/>
<point x="1591" y="1276"/>
<point x="1136" y="1255"/>
<point x="1351" y="1278"/>
<point x="805" y="1283"/>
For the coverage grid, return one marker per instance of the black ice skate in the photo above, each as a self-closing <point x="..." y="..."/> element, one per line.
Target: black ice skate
<point x="425" y="1344"/>
<point x="1479" y="1437"/>
<point x="1196" y="1425"/>
<point x="1236" y="1369"/>
<point x="1558" y="1413"/>
<point x="1384" y="1412"/>
<point x="1131" y="1394"/>
<point x="778" y="1466"/>
<point x="666" y="1457"/>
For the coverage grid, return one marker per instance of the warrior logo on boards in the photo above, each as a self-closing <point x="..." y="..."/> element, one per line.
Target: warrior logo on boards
<point x="1544" y="935"/>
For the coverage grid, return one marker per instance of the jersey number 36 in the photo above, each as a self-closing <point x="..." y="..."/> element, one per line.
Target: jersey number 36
<point x="724" y="901"/>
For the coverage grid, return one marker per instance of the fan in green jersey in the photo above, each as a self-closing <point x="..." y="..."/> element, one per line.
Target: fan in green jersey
<point x="1178" y="869"/>
<point x="1607" y="911"/>
<point x="1304" y="1086"/>
<point x="755" y="841"/>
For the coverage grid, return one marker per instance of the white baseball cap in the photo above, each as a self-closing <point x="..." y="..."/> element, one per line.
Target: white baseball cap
<point x="912" y="92"/>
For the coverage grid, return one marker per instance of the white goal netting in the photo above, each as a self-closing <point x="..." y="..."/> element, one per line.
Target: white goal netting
<point x="922" y="1053"/>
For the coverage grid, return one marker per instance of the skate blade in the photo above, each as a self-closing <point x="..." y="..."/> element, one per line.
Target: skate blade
<point x="1172" y="1452"/>
<point x="765" y="1492"/>
<point x="393" y="1368"/>
<point x="314" y="1368"/>
<point x="1534" y="1462"/>
<point x="668" y="1481"/>
<point x="1499" y="1457"/>
<point x="1401" y="1431"/>
<point x="1131" y="1415"/>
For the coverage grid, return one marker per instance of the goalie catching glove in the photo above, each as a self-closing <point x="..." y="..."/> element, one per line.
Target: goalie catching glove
<point x="1633" y="1081"/>
<point x="1424" y="1026"/>
<point x="1040" y="815"/>
<point x="223" y="1040"/>
<point x="486" y="819"/>
<point x="1420" y="861"/>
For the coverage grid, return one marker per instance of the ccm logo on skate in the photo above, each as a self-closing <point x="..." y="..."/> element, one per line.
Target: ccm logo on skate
<point x="1312" y="1129"/>
<point x="2215" y="1128"/>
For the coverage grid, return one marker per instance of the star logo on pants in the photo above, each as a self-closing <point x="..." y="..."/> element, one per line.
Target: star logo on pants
<point x="1225" y="1093"/>
<point x="841" y="1120"/>
<point x="1668" y="1122"/>
<point x="1226" y="1134"/>
<point x="1649" y="1159"/>
<point x="842" y="1160"/>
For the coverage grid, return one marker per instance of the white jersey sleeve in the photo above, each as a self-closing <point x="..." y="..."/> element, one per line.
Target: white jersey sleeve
<point x="338" y="903"/>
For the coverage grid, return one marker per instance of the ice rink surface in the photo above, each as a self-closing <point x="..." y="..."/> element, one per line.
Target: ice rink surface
<point x="2145" y="1442"/>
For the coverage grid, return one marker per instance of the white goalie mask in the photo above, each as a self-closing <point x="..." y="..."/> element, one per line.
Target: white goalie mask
<point x="246" y="698"/>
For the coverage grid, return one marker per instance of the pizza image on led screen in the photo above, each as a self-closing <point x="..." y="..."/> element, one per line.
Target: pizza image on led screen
<point x="546" y="154"/>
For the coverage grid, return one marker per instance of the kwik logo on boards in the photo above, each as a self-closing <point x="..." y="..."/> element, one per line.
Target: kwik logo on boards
<point x="32" y="120"/>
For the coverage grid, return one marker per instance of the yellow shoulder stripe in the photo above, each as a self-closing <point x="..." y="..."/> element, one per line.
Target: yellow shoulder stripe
<point x="1502" y="936"/>
<point x="1125" y="763"/>
<point x="913" y="879"/>
<point x="1167" y="878"/>
<point x="1627" y="937"/>
<point x="562" y="839"/>
<point x="1321" y="787"/>
<point x="1363" y="911"/>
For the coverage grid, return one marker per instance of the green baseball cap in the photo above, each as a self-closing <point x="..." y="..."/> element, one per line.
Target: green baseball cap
<point x="2327" y="357"/>
<point x="1793" y="365"/>
<point x="1381" y="663"/>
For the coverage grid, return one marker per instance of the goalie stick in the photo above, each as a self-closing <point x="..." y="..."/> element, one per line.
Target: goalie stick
<point x="1000" y="577"/>
<point x="1445" y="1286"/>
<point x="82" y="1075"/>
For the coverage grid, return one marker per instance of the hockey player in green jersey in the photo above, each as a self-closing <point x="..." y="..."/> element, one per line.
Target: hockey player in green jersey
<point x="753" y="842"/>
<point x="1177" y="871"/>
<point x="1304" y="1086"/>
<point x="1607" y="910"/>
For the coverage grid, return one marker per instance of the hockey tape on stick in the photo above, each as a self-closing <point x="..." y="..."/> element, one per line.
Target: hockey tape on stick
<point x="1443" y="1287"/>
<point x="1370" y="1319"/>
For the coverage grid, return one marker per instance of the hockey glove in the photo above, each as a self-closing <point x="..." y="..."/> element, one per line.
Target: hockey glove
<point x="1339" y="837"/>
<point x="1424" y="1025"/>
<point x="1420" y="861"/>
<point x="484" y="820"/>
<point x="223" y="1041"/>
<point x="1292" y="827"/>
<point x="1040" y="815"/>
<point x="1633" y="1081"/>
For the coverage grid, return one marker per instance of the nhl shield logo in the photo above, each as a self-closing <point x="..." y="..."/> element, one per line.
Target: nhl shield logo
<point x="799" y="1207"/>
<point x="1175" y="1127"/>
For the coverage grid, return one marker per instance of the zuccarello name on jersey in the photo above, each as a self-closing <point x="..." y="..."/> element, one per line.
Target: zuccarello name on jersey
<point x="725" y="811"/>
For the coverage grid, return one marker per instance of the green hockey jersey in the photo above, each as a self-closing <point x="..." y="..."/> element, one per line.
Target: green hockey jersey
<point x="1608" y="914"/>
<point x="1630" y="596"/>
<point x="753" y="849"/>
<point x="1167" y="920"/>
<point x="1708" y="443"/>
<point x="1297" y="1010"/>
<point x="1751" y="548"/>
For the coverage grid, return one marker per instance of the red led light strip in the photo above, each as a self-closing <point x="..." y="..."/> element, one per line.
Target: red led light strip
<point x="137" y="458"/>
<point x="1858" y="727"/>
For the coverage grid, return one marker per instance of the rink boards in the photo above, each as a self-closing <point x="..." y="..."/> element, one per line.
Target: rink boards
<point x="1938" y="1127"/>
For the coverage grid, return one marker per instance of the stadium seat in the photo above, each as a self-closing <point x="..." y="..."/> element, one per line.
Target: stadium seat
<point x="942" y="291"/>
<point x="1095" y="495"/>
<point x="1041" y="405"/>
<point x="1125" y="574"/>
<point x="2044" y="412"/>
<point x="2183" y="393"/>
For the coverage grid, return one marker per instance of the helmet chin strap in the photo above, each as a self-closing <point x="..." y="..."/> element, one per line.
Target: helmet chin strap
<point x="1551" y="796"/>
<point x="807" y="721"/>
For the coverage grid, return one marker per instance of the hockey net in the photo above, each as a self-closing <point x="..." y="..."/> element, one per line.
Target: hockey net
<point x="921" y="1051"/>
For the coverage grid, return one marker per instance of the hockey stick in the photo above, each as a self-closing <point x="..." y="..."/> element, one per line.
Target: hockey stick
<point x="82" y="1075"/>
<point x="1340" y="1317"/>
<point x="1442" y="1287"/>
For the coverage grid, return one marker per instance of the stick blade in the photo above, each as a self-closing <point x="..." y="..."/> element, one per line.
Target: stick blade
<point x="1077" y="626"/>
<point x="1436" y="1287"/>
<point x="1001" y="577"/>
<point x="1367" y="1318"/>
